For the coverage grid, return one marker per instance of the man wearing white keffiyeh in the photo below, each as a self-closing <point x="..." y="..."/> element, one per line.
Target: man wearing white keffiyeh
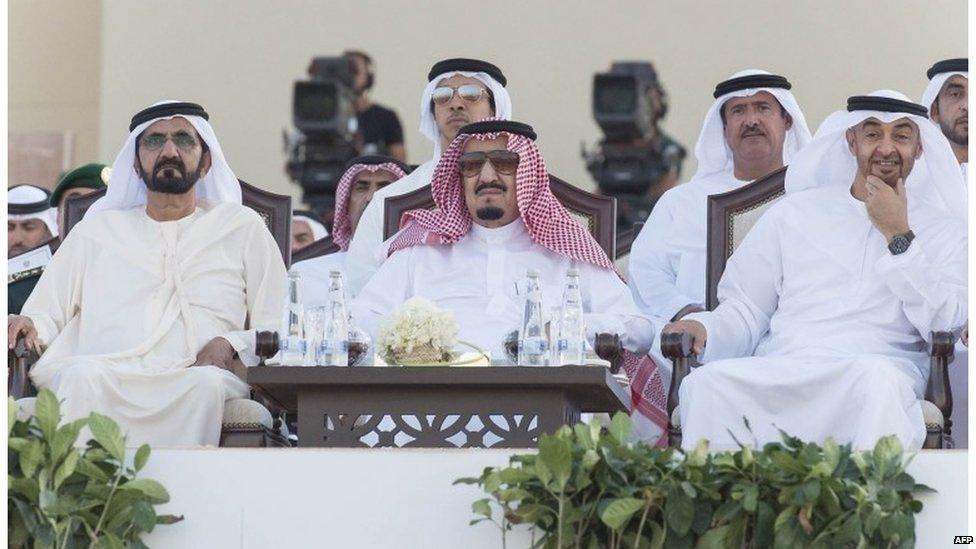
<point x="144" y="306"/>
<point x="497" y="218"/>
<point x="947" y="98"/>
<point x="826" y="306"/>
<point x="459" y="91"/>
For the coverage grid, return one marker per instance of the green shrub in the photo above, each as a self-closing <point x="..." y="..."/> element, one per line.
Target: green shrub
<point x="588" y="487"/>
<point x="59" y="495"/>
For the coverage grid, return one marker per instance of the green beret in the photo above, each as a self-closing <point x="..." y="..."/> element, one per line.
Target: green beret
<point x="92" y="176"/>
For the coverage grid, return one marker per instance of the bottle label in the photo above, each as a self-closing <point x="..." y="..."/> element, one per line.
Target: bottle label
<point x="533" y="346"/>
<point x="333" y="346"/>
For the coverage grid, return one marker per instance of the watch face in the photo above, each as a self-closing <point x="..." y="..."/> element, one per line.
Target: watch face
<point x="899" y="245"/>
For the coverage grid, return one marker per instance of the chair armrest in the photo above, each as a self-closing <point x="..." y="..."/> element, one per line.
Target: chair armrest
<point x="608" y="347"/>
<point x="938" y="390"/>
<point x="678" y="348"/>
<point x="19" y="361"/>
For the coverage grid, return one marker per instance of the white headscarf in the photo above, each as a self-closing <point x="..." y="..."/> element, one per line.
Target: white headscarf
<point x="935" y="86"/>
<point x="127" y="190"/>
<point x="428" y="126"/>
<point x="32" y="194"/>
<point x="318" y="229"/>
<point x="713" y="152"/>
<point x="827" y="160"/>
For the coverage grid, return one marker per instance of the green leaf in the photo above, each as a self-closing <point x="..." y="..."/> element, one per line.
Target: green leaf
<point x="747" y="457"/>
<point x="481" y="507"/>
<point x="65" y="437"/>
<point x="679" y="512"/>
<point x="765" y="520"/>
<point x="902" y="483"/>
<point x="90" y="470"/>
<point x="699" y="456"/>
<point x="67" y="468"/>
<point x="750" y="498"/>
<point x="620" y="427"/>
<point x="714" y="538"/>
<point x="108" y="434"/>
<point x="557" y="456"/>
<point x="619" y="511"/>
<point x="30" y="457"/>
<point x="11" y="414"/>
<point x="150" y="488"/>
<point x="48" y="412"/>
<point x="108" y="541"/>
<point x="168" y="519"/>
<point x="142" y="456"/>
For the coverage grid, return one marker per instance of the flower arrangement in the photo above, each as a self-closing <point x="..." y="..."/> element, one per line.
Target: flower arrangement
<point x="418" y="332"/>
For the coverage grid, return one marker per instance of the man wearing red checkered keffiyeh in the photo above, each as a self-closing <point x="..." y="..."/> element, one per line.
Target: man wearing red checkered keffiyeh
<point x="495" y="219"/>
<point x="363" y="177"/>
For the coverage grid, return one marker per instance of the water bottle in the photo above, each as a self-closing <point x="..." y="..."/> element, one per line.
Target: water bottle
<point x="571" y="341"/>
<point x="291" y="340"/>
<point x="533" y="348"/>
<point x="334" y="347"/>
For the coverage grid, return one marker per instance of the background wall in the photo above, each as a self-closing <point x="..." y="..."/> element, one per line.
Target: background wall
<point x="239" y="59"/>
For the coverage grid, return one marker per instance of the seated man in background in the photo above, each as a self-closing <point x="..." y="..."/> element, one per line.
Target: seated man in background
<point x="30" y="223"/>
<point x="144" y="306"/>
<point x="947" y="99"/>
<point x="305" y="229"/>
<point x="362" y="177"/>
<point x="459" y="91"/>
<point x="827" y="303"/>
<point x="80" y="181"/>
<point x="753" y="128"/>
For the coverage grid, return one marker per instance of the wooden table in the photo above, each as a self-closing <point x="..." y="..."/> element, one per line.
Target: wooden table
<point x="437" y="407"/>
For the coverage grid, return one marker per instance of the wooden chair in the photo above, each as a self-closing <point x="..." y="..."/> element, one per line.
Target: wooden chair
<point x="596" y="212"/>
<point x="322" y="246"/>
<point x="730" y="216"/>
<point x="247" y="422"/>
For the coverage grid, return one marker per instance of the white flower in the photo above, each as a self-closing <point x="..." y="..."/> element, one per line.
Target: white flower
<point x="417" y="323"/>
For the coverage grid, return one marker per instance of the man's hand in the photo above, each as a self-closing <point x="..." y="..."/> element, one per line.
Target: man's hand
<point x="887" y="207"/>
<point x="219" y="352"/>
<point x="692" y="327"/>
<point x="18" y="325"/>
<point x="687" y="310"/>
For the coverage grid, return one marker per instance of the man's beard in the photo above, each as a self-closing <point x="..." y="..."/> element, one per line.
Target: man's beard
<point x="490" y="213"/>
<point x="15" y="251"/>
<point x="955" y="132"/>
<point x="170" y="176"/>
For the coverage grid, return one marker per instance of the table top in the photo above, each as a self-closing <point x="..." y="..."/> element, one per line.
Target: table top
<point x="593" y="388"/>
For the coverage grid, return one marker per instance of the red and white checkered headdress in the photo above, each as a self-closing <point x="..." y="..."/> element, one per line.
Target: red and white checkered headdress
<point x="548" y="222"/>
<point x="342" y="228"/>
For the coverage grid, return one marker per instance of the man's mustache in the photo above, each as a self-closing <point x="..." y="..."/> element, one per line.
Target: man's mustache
<point x="752" y="130"/>
<point x="169" y="164"/>
<point x="490" y="185"/>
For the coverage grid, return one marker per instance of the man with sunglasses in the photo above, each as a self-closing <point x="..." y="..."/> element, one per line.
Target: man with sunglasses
<point x="496" y="218"/>
<point x="458" y="92"/>
<point x="144" y="306"/>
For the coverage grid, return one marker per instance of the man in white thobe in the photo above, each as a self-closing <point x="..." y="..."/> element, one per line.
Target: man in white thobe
<point x="496" y="219"/>
<point x="826" y="306"/>
<point x="753" y="128"/>
<point x="947" y="98"/>
<point x="146" y="302"/>
<point x="363" y="177"/>
<point x="459" y="91"/>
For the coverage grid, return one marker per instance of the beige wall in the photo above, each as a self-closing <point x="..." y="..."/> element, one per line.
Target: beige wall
<point x="239" y="59"/>
<point x="54" y="55"/>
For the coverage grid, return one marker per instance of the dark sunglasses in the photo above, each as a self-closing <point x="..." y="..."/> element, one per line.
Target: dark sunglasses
<point x="503" y="161"/>
<point x="468" y="92"/>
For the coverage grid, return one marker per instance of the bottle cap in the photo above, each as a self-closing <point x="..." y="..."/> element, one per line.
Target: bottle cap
<point x="334" y="274"/>
<point x="533" y="272"/>
<point x="572" y="271"/>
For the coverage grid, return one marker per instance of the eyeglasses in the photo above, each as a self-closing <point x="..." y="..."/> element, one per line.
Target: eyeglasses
<point x="468" y="92"/>
<point x="505" y="162"/>
<point x="156" y="141"/>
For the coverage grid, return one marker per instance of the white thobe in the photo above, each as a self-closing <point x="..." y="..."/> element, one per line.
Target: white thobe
<point x="832" y="326"/>
<point x="481" y="279"/>
<point x="315" y="277"/>
<point x="366" y="250"/>
<point x="667" y="261"/>
<point x="128" y="302"/>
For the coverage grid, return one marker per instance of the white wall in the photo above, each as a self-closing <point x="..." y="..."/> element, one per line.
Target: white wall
<point x="239" y="59"/>
<point x="315" y="497"/>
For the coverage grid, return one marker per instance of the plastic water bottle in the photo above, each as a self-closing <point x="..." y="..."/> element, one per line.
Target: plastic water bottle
<point x="533" y="348"/>
<point x="291" y="340"/>
<point x="334" y="347"/>
<point x="571" y="341"/>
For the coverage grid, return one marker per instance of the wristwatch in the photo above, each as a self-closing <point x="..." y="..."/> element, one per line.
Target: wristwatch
<point x="900" y="242"/>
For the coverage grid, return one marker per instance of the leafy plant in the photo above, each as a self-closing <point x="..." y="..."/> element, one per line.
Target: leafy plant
<point x="588" y="487"/>
<point x="60" y="495"/>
